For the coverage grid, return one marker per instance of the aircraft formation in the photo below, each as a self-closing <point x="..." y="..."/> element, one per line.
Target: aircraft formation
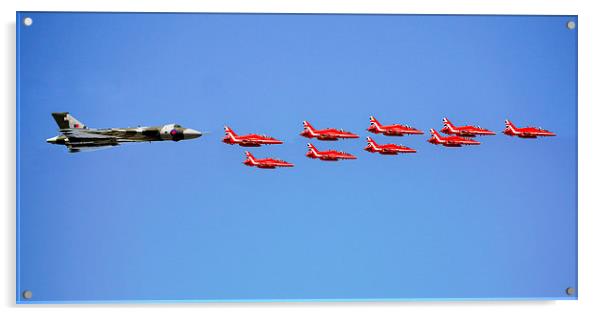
<point x="78" y="137"/>
<point x="458" y="136"/>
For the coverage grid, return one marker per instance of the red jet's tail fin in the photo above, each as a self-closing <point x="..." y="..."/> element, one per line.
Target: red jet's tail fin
<point x="447" y="122"/>
<point x="371" y="143"/>
<point x="435" y="134"/>
<point x="510" y="127"/>
<point x="374" y="121"/>
<point x="250" y="157"/>
<point x="307" y="125"/>
<point x="312" y="148"/>
<point x="229" y="131"/>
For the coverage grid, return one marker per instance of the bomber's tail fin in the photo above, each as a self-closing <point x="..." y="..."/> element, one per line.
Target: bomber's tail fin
<point x="64" y="120"/>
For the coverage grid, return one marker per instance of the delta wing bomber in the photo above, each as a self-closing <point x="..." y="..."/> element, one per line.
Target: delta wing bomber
<point x="77" y="137"/>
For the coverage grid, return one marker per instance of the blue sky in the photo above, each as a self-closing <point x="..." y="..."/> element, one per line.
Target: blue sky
<point x="188" y="221"/>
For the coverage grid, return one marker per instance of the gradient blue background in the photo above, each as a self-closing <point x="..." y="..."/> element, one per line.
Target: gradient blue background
<point x="188" y="221"/>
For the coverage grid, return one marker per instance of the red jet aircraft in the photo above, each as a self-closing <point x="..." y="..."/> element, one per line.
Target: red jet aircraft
<point x="466" y="131"/>
<point x="325" y="134"/>
<point x="328" y="155"/>
<point x="450" y="141"/>
<point x="392" y="130"/>
<point x="525" y="132"/>
<point x="251" y="140"/>
<point x="387" y="149"/>
<point x="267" y="163"/>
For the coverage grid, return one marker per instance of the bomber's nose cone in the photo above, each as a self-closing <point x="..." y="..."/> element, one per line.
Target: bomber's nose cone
<point x="52" y="140"/>
<point x="190" y="133"/>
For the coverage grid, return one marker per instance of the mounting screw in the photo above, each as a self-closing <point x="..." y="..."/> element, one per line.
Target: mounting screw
<point x="27" y="21"/>
<point x="570" y="291"/>
<point x="27" y="294"/>
<point x="571" y="25"/>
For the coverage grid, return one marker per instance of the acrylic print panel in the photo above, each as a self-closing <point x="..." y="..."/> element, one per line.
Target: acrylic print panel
<point x="131" y="189"/>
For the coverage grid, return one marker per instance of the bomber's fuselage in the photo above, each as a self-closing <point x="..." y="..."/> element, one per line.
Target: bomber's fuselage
<point x="173" y="132"/>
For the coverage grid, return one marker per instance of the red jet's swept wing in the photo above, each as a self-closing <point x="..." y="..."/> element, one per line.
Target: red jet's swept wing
<point x="450" y="141"/>
<point x="251" y="140"/>
<point x="525" y="132"/>
<point x="325" y="134"/>
<point x="328" y="155"/>
<point x="392" y="130"/>
<point x="387" y="149"/>
<point x="465" y="131"/>
<point x="267" y="163"/>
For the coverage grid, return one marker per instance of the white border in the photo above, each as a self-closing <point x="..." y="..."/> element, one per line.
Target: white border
<point x="590" y="102"/>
